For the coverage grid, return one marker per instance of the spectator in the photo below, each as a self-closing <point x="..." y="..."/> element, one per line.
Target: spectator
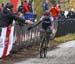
<point x="71" y="13"/>
<point x="30" y="6"/>
<point x="61" y="15"/>
<point x="20" y="8"/>
<point x="2" y="6"/>
<point x="45" y="5"/>
<point x="65" y="13"/>
<point x="7" y="17"/>
<point x="54" y="10"/>
<point x="25" y="6"/>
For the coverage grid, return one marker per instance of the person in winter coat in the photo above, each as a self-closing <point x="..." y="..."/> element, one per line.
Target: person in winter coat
<point x="25" y="6"/>
<point x="7" y="17"/>
<point x="71" y="14"/>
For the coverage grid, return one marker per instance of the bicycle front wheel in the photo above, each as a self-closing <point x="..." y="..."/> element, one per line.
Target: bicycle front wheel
<point x="43" y="48"/>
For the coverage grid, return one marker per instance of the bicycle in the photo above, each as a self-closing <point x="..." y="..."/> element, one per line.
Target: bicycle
<point x="45" y="36"/>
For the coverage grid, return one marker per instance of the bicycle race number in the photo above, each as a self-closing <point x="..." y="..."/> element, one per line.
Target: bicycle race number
<point x="6" y="41"/>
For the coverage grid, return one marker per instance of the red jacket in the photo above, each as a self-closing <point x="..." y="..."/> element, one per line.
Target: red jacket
<point x="54" y="11"/>
<point x="25" y="7"/>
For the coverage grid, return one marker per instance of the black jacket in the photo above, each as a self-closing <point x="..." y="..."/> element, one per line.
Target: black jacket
<point x="71" y="14"/>
<point x="20" y="9"/>
<point x="7" y="17"/>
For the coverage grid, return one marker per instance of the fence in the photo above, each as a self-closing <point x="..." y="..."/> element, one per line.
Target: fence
<point x="25" y="39"/>
<point x="65" y="27"/>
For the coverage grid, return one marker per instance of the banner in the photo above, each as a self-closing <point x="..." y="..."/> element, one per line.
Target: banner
<point x="15" y="3"/>
<point x="6" y="41"/>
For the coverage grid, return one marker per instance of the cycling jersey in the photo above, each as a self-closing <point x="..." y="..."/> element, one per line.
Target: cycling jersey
<point x="46" y="22"/>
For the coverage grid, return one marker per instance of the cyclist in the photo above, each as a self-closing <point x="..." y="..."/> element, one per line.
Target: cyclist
<point x="46" y="21"/>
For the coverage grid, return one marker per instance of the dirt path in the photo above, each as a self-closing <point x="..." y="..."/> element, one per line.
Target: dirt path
<point x="64" y="54"/>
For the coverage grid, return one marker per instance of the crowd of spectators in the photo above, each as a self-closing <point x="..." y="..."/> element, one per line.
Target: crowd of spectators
<point x="67" y="14"/>
<point x="25" y="6"/>
<point x="57" y="12"/>
<point x="54" y="9"/>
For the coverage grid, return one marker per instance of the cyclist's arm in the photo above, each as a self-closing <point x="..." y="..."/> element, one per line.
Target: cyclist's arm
<point x="36" y="24"/>
<point x="41" y="19"/>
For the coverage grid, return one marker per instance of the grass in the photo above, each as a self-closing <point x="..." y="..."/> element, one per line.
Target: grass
<point x="62" y="39"/>
<point x="65" y="38"/>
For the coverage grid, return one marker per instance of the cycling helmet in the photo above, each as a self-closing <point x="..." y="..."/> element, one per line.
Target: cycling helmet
<point x="47" y="13"/>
